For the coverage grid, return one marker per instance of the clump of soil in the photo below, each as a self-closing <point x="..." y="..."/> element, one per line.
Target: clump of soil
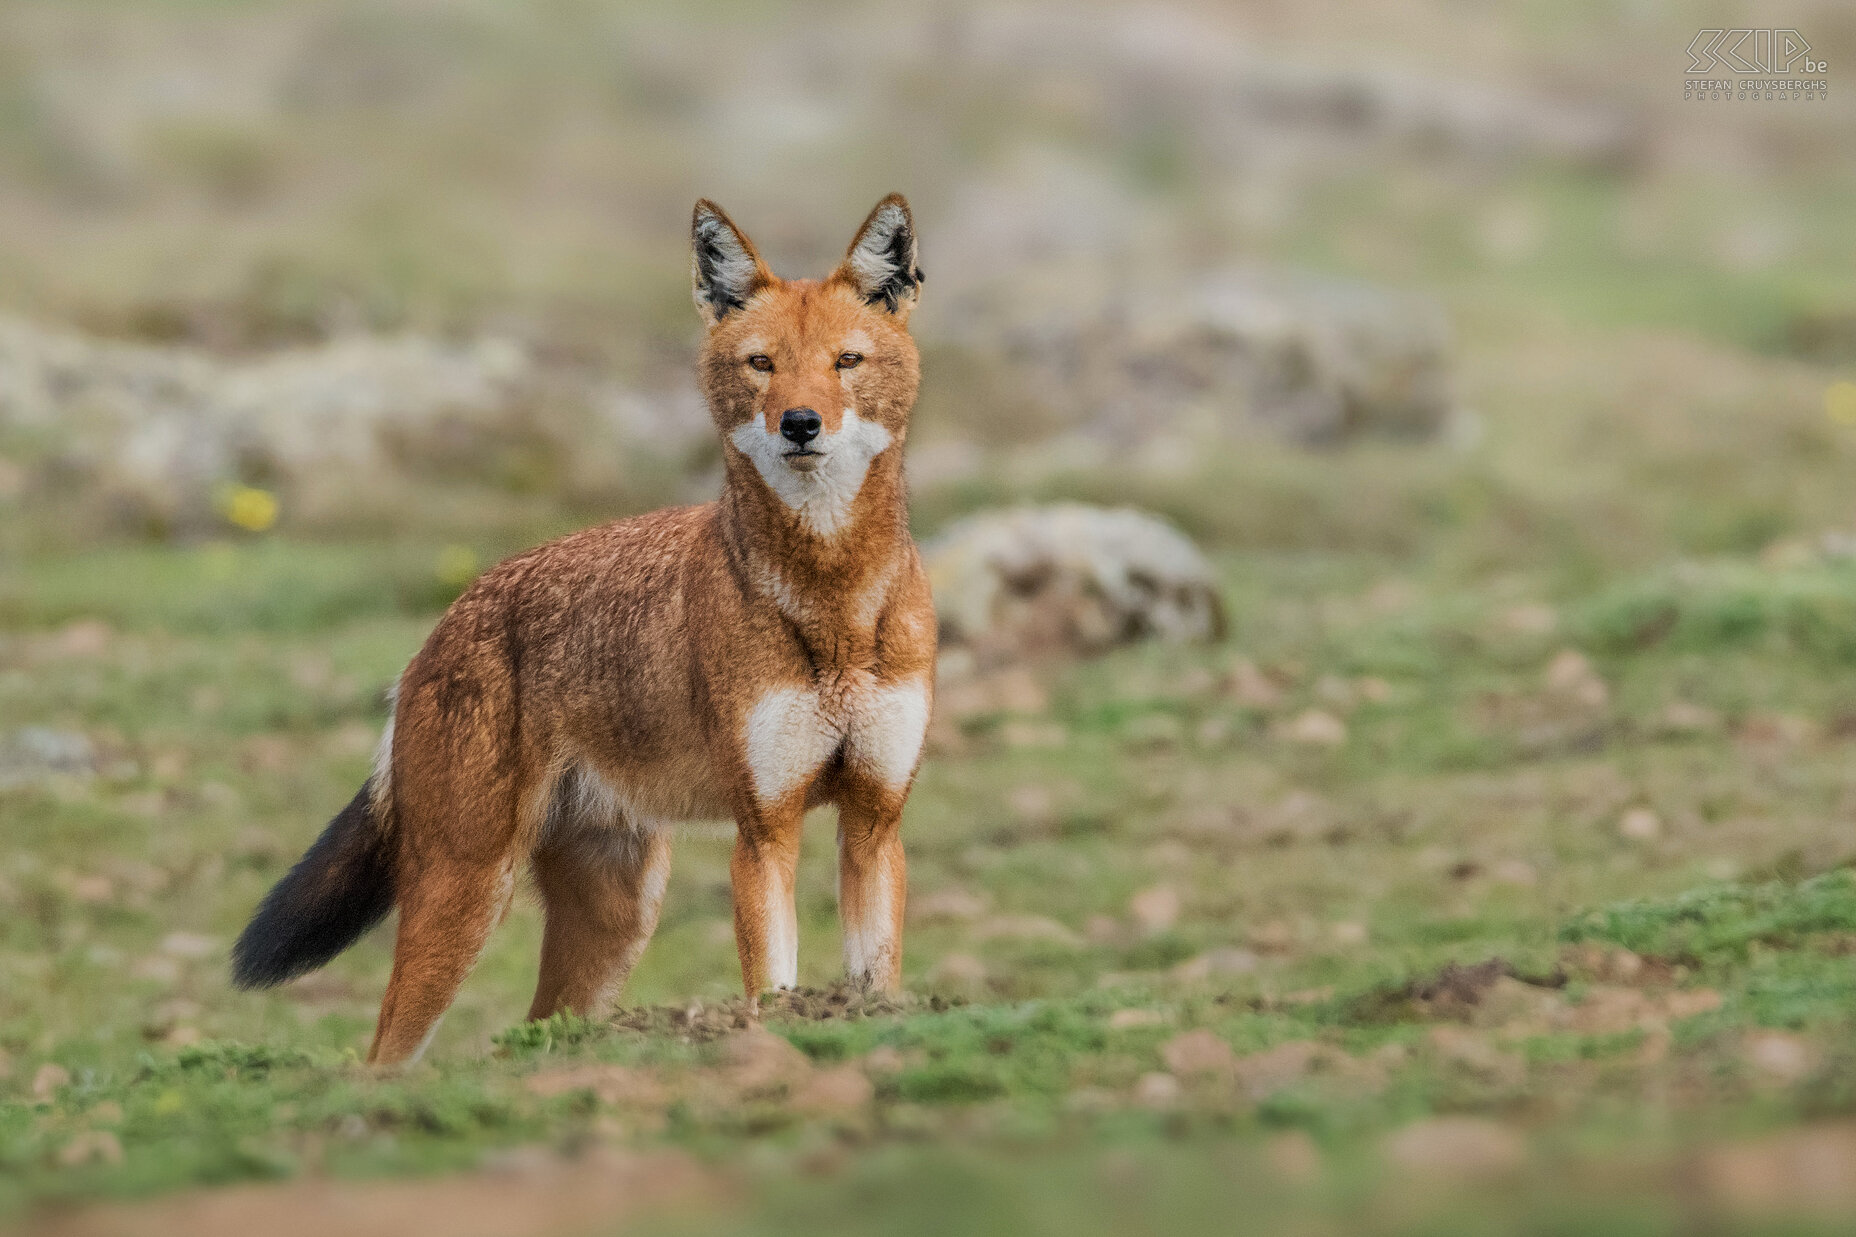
<point x="701" y="1021"/>
<point x="1451" y="993"/>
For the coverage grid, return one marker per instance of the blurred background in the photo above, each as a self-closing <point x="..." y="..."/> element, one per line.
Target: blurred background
<point x="351" y="254"/>
<point x="1493" y="393"/>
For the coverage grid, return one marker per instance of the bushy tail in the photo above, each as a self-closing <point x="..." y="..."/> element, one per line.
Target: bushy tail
<point x="339" y="889"/>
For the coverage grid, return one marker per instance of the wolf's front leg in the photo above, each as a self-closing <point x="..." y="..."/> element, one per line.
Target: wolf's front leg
<point x="872" y="888"/>
<point x="762" y="872"/>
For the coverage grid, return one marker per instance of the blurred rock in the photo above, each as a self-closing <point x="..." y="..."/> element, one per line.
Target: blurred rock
<point x="1240" y="103"/>
<point x="1780" y="1056"/>
<point x="1155" y="909"/>
<point x="1572" y="677"/>
<point x="1309" y="359"/>
<point x="835" y="1092"/>
<point x="1198" y="1052"/>
<point x="47" y="1081"/>
<point x="1640" y="824"/>
<point x="160" y="428"/>
<point x="1682" y="718"/>
<point x="1457" y="1147"/>
<point x="1215" y="964"/>
<point x="1810" y="1170"/>
<point x="1069" y="578"/>
<point x="189" y="946"/>
<point x="1156" y="1089"/>
<point x="962" y="974"/>
<point x="33" y="753"/>
<point x="1314" y="728"/>
<point x="91" y="1146"/>
<point x="756" y="1060"/>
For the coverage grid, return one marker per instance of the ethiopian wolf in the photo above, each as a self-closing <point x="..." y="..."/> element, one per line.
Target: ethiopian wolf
<point x="748" y="659"/>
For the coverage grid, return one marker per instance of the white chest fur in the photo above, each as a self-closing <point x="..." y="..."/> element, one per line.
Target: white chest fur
<point x="791" y="732"/>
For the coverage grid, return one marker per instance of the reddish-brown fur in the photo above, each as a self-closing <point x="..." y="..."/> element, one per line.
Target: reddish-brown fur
<point x="584" y="693"/>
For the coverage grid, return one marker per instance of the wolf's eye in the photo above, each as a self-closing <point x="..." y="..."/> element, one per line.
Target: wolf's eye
<point x="850" y="360"/>
<point x="762" y="362"/>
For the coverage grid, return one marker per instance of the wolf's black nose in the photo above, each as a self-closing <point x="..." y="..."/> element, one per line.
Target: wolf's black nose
<point x="799" y="425"/>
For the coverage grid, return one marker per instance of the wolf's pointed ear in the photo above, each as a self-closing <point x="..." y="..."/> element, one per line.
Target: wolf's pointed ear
<point x="881" y="263"/>
<point x="725" y="268"/>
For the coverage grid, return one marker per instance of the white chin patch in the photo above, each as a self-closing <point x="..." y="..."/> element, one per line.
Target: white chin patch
<point x="824" y="496"/>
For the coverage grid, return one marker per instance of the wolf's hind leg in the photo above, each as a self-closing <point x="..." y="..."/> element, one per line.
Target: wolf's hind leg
<point x="447" y="909"/>
<point x="602" y="884"/>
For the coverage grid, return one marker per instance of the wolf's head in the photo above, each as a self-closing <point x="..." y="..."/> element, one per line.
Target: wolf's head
<point x="809" y="381"/>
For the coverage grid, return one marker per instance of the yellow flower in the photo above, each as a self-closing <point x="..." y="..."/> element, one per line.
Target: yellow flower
<point x="1840" y="402"/>
<point x="248" y="507"/>
<point x="456" y="565"/>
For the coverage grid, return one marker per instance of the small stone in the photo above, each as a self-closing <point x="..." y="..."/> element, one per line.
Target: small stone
<point x="1215" y="963"/>
<point x="1214" y="732"/>
<point x="1017" y="690"/>
<point x="1156" y="1090"/>
<point x="1155" y="909"/>
<point x="1811" y="1169"/>
<point x="1293" y="1157"/>
<point x="952" y="904"/>
<point x="1464" y="1147"/>
<point x="1267" y="1072"/>
<point x="1348" y="933"/>
<point x="1026" y="928"/>
<point x="1570" y="674"/>
<point x="86" y="637"/>
<point x="1517" y="872"/>
<point x="46" y="1082"/>
<point x="835" y="1092"/>
<point x="960" y="973"/>
<point x="883" y="1060"/>
<point x="156" y="969"/>
<point x="1250" y="688"/>
<point x="191" y="946"/>
<point x="91" y="1147"/>
<point x="1683" y="718"/>
<point x="1197" y="1052"/>
<point x="1373" y="689"/>
<point x="610" y="1084"/>
<point x="92" y="889"/>
<point x="757" y="1059"/>
<point x="1275" y="936"/>
<point x="1315" y="728"/>
<point x="1640" y="824"/>
<point x="1027" y="734"/>
<point x="1780" y="1057"/>
<point x="1032" y="804"/>
<point x="1529" y="619"/>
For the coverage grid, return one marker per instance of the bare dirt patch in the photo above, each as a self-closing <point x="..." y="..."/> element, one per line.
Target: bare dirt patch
<point x="700" y="1021"/>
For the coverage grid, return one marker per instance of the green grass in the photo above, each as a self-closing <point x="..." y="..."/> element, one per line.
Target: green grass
<point x="1471" y="813"/>
<point x="1662" y="1044"/>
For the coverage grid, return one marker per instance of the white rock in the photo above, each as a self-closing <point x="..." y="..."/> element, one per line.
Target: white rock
<point x="1069" y="577"/>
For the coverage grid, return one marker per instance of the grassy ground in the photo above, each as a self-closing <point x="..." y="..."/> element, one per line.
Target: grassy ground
<point x="1494" y="876"/>
<point x="1412" y="882"/>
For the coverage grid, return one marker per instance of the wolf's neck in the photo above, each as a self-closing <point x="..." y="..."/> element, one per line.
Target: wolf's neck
<point x="826" y="548"/>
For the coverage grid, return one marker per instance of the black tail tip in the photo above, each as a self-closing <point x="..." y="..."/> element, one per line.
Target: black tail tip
<point x="342" y="886"/>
